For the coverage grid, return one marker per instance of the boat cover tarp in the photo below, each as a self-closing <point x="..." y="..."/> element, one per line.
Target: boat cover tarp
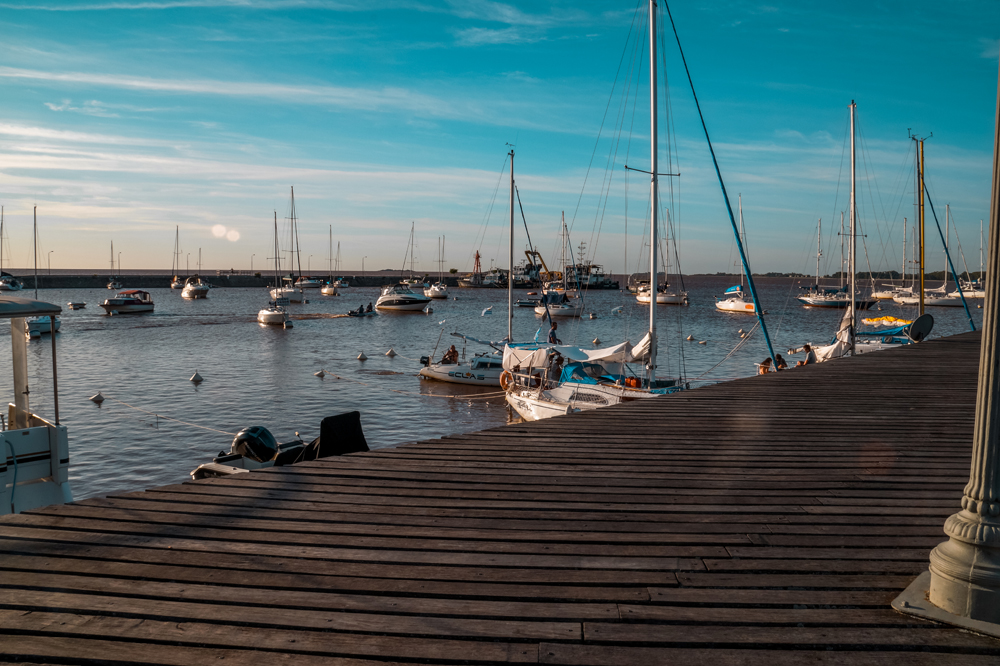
<point x="536" y="355"/>
<point x="735" y="290"/>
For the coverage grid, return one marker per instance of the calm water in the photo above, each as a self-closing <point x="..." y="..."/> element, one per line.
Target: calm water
<point x="264" y="375"/>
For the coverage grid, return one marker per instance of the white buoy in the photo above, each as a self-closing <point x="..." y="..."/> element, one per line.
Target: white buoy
<point x="287" y="324"/>
<point x="703" y="342"/>
<point x="690" y="337"/>
<point x="97" y="398"/>
<point x="454" y="298"/>
<point x="597" y="341"/>
<point x="743" y="335"/>
<point x="593" y="316"/>
<point x="429" y="310"/>
<point x="319" y="374"/>
<point x="741" y="331"/>
<point x="196" y="378"/>
<point x="391" y="352"/>
<point x="362" y="357"/>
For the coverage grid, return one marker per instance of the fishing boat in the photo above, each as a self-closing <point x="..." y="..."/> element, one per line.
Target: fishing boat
<point x="439" y="289"/>
<point x="329" y="288"/>
<point x="35" y="327"/>
<point x="34" y="451"/>
<point x="274" y="313"/>
<point x="129" y="301"/>
<point x="734" y="299"/>
<point x="175" y="263"/>
<point x="195" y="287"/>
<point x="7" y="281"/>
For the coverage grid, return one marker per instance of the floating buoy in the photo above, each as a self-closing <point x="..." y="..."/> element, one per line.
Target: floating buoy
<point x="703" y="342"/>
<point x="690" y="337"/>
<point x="391" y="352"/>
<point x="362" y="357"/>
<point x="743" y="335"/>
<point x="979" y="307"/>
<point x="454" y="298"/>
<point x="196" y="378"/>
<point x="740" y="331"/>
<point x="428" y="310"/>
<point x="597" y="341"/>
<point x="593" y="316"/>
<point x="97" y="398"/>
<point x="319" y="374"/>
<point x="287" y="324"/>
<point x="441" y="323"/>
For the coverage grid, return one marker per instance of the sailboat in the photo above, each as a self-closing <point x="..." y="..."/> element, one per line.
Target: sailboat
<point x="849" y="341"/>
<point x="35" y="326"/>
<point x="330" y="288"/>
<point x="974" y="288"/>
<point x="175" y="264"/>
<point x="274" y="313"/>
<point x="559" y="298"/>
<point x="735" y="299"/>
<point x="938" y="296"/>
<point x="286" y="288"/>
<point x="664" y="295"/>
<point x="439" y="289"/>
<point x="113" y="282"/>
<point x="7" y="281"/>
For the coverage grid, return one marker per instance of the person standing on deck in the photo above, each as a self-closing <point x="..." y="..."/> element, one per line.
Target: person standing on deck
<point x="553" y="339"/>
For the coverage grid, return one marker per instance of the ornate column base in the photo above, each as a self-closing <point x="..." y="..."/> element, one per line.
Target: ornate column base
<point x="965" y="570"/>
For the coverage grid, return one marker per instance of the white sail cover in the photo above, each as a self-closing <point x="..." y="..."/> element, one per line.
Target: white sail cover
<point x="841" y="344"/>
<point x="536" y="355"/>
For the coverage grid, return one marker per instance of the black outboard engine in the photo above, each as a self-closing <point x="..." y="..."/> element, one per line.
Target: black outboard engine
<point x="425" y="360"/>
<point x="256" y="443"/>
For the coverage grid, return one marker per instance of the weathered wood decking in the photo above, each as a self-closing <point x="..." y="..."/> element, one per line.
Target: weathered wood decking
<point x="763" y="521"/>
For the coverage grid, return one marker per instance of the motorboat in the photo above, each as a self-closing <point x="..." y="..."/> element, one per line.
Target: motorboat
<point x="195" y="287"/>
<point x="176" y="282"/>
<point x="735" y="301"/>
<point x="399" y="297"/>
<point x="114" y="283"/>
<point x="35" y="327"/>
<point x="329" y="289"/>
<point x="9" y="283"/>
<point x="437" y="290"/>
<point x="341" y="283"/>
<point x="481" y="370"/>
<point x="34" y="451"/>
<point x="274" y="314"/>
<point x="128" y="302"/>
<point x="306" y="282"/>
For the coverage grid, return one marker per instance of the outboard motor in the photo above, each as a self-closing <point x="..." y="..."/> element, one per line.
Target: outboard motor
<point x="256" y="443"/>
<point x="425" y="360"/>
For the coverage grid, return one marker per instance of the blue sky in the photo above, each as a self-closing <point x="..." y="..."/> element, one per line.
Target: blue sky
<point x="123" y="118"/>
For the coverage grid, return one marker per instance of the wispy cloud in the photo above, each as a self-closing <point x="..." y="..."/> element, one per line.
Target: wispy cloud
<point x="991" y="48"/>
<point x="481" y="36"/>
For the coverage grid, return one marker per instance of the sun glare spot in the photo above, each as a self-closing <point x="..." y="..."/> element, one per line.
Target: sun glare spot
<point x="218" y="231"/>
<point x="233" y="235"/>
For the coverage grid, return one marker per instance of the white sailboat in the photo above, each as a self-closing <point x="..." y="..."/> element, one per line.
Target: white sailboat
<point x="175" y="264"/>
<point x="439" y="289"/>
<point x="287" y="288"/>
<point x="558" y="298"/>
<point x="735" y="299"/>
<point x="113" y="282"/>
<point x="37" y="326"/>
<point x="7" y="281"/>
<point x="330" y="287"/>
<point x="400" y="297"/>
<point x="274" y="313"/>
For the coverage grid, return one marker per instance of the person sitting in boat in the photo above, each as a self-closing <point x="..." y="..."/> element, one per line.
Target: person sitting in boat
<point x="450" y="357"/>
<point x="553" y="339"/>
<point x="810" y="356"/>
<point x="369" y="307"/>
<point x="780" y="363"/>
<point x="764" y="367"/>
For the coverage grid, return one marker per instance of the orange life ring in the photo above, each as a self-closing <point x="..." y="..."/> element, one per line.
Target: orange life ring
<point x="505" y="379"/>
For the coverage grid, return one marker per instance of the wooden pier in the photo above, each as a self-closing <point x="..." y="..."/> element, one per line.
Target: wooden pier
<point x="769" y="520"/>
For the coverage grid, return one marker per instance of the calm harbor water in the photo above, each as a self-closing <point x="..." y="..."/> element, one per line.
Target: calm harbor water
<point x="264" y="375"/>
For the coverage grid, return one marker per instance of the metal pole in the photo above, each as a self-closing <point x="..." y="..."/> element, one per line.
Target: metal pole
<point x="920" y="215"/>
<point x="965" y="570"/>
<point x="510" y="275"/>
<point x="852" y="244"/>
<point x="653" y="185"/>
<point x="55" y="377"/>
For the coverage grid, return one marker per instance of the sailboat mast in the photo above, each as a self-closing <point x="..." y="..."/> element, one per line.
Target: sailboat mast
<point x="841" y="249"/>
<point x="920" y="215"/>
<point x="980" y="250"/>
<point x="329" y="259"/>
<point x="980" y="243"/>
<point x="852" y="244"/>
<point x="277" y="256"/>
<point x="510" y="274"/>
<point x="653" y="187"/>
<point x="903" y="281"/>
<point x="947" y="241"/>
<point x="562" y="251"/>
<point x="743" y="234"/>
<point x="34" y="248"/>
<point x="819" y="252"/>
<point x="295" y="235"/>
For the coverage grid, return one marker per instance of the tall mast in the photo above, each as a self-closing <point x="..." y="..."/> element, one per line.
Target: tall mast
<point x="277" y="256"/>
<point x="412" y="227"/>
<point x="562" y="251"/>
<point x="112" y="259"/>
<point x="819" y="251"/>
<point x="510" y="274"/>
<point x="852" y="244"/>
<point x="653" y="187"/>
<point x="329" y="260"/>
<point x="743" y="235"/>
<point x="295" y="235"/>
<point x="947" y="241"/>
<point x="980" y="242"/>
<point x="34" y="247"/>
<point x="920" y="215"/>
<point x="903" y="281"/>
<point x="980" y="250"/>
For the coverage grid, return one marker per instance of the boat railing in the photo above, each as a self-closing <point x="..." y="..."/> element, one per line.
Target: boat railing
<point x="34" y="463"/>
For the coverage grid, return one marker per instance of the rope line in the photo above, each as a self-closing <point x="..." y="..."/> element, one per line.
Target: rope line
<point x="168" y="418"/>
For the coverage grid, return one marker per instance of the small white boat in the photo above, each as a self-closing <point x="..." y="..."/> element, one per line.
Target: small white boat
<point x="194" y="287"/>
<point x="9" y="283"/>
<point x="76" y="305"/>
<point x="306" y="282"/>
<point x="437" y="290"/>
<point x="176" y="283"/>
<point x="329" y="289"/>
<point x="480" y="370"/>
<point x="400" y="298"/>
<point x="736" y="301"/>
<point x="114" y="284"/>
<point x="293" y="294"/>
<point x="273" y="314"/>
<point x="35" y="327"/>
<point x="662" y="297"/>
<point x="341" y="283"/>
<point x="128" y="302"/>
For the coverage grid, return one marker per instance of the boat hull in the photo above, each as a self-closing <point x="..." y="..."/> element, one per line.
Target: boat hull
<point x="195" y="292"/>
<point x="127" y="308"/>
<point x="736" y="305"/>
<point x="329" y="290"/>
<point x="37" y="326"/>
<point x="400" y="305"/>
<point x="272" y="317"/>
<point x="462" y="374"/>
<point x="664" y="299"/>
<point x="559" y="310"/>
<point x="293" y="294"/>
<point x="834" y="303"/>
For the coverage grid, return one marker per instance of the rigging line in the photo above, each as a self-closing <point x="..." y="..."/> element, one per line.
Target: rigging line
<point x="836" y="196"/>
<point x="168" y="418"/>
<point x="732" y="220"/>
<point x="614" y="85"/>
<point x="961" y="253"/>
<point x="948" y="255"/>
<point x="517" y="193"/>
<point x="484" y="225"/>
<point x="739" y="345"/>
<point x="869" y="179"/>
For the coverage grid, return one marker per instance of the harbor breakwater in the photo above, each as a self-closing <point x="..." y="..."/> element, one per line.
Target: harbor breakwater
<point x="94" y="281"/>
